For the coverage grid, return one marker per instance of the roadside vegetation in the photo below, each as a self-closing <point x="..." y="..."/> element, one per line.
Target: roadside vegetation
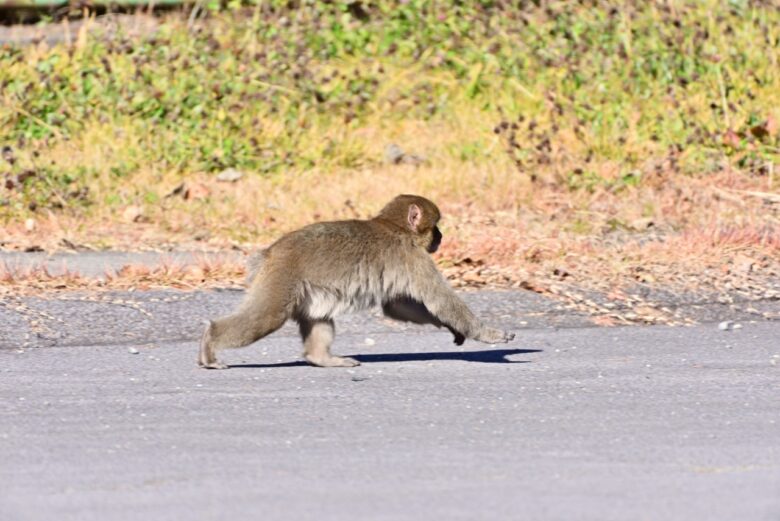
<point x="592" y="141"/>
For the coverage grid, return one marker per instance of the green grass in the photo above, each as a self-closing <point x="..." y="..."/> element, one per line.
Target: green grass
<point x="581" y="96"/>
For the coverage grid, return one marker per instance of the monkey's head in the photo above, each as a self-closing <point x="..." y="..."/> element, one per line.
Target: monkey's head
<point x="418" y="216"/>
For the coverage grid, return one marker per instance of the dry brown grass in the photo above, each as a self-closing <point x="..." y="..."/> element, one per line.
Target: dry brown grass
<point x="494" y="218"/>
<point x="203" y="274"/>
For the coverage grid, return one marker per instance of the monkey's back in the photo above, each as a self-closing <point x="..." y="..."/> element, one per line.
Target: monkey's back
<point x="337" y="267"/>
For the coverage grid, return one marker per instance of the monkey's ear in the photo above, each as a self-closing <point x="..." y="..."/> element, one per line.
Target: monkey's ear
<point x="414" y="217"/>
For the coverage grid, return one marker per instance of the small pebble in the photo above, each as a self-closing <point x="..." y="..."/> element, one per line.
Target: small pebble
<point x="369" y="341"/>
<point x="231" y="175"/>
<point x="726" y="325"/>
<point x="132" y="351"/>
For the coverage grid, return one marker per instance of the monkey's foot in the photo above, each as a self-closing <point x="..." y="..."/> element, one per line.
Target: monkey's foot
<point x="332" y="361"/>
<point x="212" y="365"/>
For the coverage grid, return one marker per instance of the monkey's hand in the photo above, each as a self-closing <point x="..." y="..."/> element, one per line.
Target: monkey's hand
<point x="490" y="335"/>
<point x="458" y="339"/>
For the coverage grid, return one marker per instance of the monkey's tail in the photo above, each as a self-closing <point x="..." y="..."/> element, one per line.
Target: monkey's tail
<point x="253" y="265"/>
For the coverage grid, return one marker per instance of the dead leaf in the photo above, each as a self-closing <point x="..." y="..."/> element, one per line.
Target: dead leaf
<point x="473" y="277"/>
<point x="395" y="155"/>
<point x="731" y="139"/>
<point x="196" y="272"/>
<point x="197" y="191"/>
<point x="646" y="277"/>
<point x="70" y="244"/>
<point x="771" y="125"/>
<point x="133" y="214"/>
<point x="648" y="312"/>
<point x="642" y="224"/>
<point x="529" y="285"/>
<point x="743" y="264"/>
<point x="179" y="190"/>
<point x="766" y="129"/>
<point x="24" y="176"/>
<point x="8" y="155"/>
<point x="604" y="320"/>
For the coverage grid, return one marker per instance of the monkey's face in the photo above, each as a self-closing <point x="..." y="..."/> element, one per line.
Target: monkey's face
<point x="435" y="240"/>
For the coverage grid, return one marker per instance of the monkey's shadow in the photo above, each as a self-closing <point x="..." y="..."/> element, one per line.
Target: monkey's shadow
<point x="490" y="356"/>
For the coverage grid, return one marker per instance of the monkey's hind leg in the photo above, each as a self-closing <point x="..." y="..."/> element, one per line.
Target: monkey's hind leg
<point x="208" y="357"/>
<point x="250" y="323"/>
<point x="317" y="338"/>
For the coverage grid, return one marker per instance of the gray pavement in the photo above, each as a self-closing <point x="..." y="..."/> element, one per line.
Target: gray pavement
<point x="566" y="422"/>
<point x="78" y="319"/>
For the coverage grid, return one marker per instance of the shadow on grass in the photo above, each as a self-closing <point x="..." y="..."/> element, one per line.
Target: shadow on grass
<point x="490" y="356"/>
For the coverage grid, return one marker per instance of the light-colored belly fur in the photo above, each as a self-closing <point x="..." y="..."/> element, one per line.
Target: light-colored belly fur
<point x="323" y="303"/>
<point x="358" y="293"/>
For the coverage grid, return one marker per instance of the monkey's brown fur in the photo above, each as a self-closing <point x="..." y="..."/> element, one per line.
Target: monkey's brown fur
<point x="326" y="269"/>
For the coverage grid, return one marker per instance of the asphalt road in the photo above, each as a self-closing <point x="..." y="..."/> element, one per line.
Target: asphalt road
<point x="569" y="422"/>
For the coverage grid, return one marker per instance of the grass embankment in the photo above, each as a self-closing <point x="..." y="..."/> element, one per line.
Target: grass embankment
<point x="637" y="142"/>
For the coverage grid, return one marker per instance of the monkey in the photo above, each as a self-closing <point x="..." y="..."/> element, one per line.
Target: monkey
<point x="403" y="309"/>
<point x="323" y="270"/>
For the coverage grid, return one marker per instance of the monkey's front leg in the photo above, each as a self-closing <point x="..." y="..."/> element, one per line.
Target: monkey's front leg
<point x="465" y="322"/>
<point x="406" y="309"/>
<point x="317" y="338"/>
<point x="444" y="304"/>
